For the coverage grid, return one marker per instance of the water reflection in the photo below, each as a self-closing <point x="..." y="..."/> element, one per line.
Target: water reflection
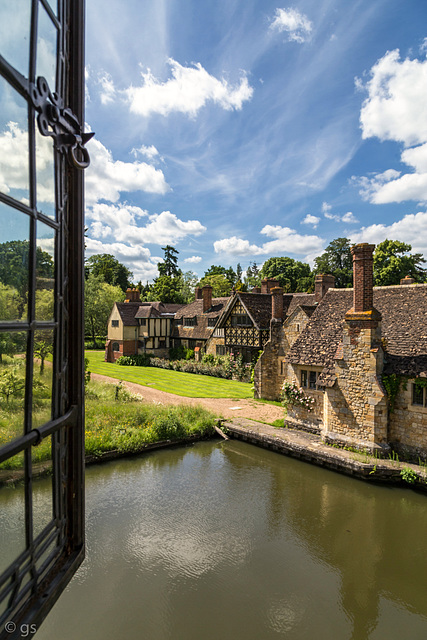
<point x="229" y="541"/>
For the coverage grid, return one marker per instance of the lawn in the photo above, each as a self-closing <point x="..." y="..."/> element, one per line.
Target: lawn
<point x="182" y="384"/>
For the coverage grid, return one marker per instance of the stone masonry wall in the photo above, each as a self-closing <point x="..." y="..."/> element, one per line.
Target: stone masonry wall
<point x="356" y="406"/>
<point x="267" y="375"/>
<point x="408" y="426"/>
<point x="299" y="417"/>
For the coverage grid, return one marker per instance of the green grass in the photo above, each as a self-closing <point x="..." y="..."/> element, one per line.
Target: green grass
<point x="189" y="385"/>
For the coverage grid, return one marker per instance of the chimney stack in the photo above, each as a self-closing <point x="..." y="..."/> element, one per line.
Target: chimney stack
<point x="256" y="290"/>
<point x="407" y="280"/>
<point x="322" y="283"/>
<point x="268" y="284"/>
<point x="277" y="303"/>
<point x="198" y="293"/>
<point x="363" y="284"/>
<point x="207" y="298"/>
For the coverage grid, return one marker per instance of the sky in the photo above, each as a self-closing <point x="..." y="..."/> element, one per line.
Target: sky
<point x="238" y="130"/>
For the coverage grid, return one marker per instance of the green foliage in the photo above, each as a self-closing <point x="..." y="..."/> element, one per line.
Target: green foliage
<point x="42" y="348"/>
<point x="392" y="262"/>
<point x="291" y="274"/>
<point x="188" y="281"/>
<point x="136" y="360"/>
<point x="408" y="475"/>
<point x="169" y="266"/>
<point x="177" y="353"/>
<point x="45" y="304"/>
<point x="338" y="261"/>
<point x="392" y="385"/>
<point x="99" y="300"/>
<point x="110" y="270"/>
<point x="253" y="278"/>
<point x="11" y="383"/>
<point x="87" y="373"/>
<point x="10" y="303"/>
<point x="294" y="395"/>
<point x="221" y="286"/>
<point x="167" y="289"/>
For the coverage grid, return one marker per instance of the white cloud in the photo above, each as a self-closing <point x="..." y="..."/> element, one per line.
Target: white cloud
<point x="285" y="240"/>
<point x="121" y="222"/>
<point x="423" y="47"/>
<point x="187" y="91"/>
<point x="397" y="95"/>
<point x="193" y="259"/>
<point x="349" y="218"/>
<point x="395" y="110"/>
<point x="106" y="177"/>
<point x="13" y="158"/>
<point x="108" y="91"/>
<point x="138" y="259"/>
<point x="411" y="229"/>
<point x="296" y="24"/>
<point x="309" y="219"/>
<point x="326" y="207"/>
<point x="147" y="152"/>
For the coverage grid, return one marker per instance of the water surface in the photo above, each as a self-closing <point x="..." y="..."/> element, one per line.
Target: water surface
<point x="223" y="540"/>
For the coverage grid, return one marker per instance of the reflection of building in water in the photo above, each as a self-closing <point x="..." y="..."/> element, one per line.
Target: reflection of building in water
<point x="363" y="532"/>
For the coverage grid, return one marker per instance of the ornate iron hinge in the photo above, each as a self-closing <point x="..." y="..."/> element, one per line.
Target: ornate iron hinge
<point x="61" y="124"/>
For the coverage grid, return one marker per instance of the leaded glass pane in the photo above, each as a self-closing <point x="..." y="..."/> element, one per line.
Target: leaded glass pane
<point x="46" y="48"/>
<point x="45" y="272"/>
<point x="14" y="148"/>
<point x="12" y="508"/>
<point x="45" y="174"/>
<point x="13" y="347"/>
<point x="15" y="33"/>
<point x="14" y="256"/>
<point x="42" y="377"/>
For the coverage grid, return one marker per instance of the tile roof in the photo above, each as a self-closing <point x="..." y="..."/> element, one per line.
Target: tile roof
<point x="404" y="329"/>
<point x="157" y="309"/>
<point x="200" y="331"/>
<point x="127" y="311"/>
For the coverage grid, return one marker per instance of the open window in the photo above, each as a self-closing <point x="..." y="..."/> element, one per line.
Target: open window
<point x="41" y="304"/>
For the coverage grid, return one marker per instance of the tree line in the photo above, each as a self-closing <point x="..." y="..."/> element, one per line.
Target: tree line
<point x="106" y="279"/>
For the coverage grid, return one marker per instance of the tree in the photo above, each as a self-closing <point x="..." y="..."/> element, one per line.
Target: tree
<point x="392" y="262"/>
<point x="289" y="272"/>
<point x="189" y="281"/>
<point x="221" y="287"/>
<point x="44" y="304"/>
<point x="9" y="303"/>
<point x="169" y="266"/>
<point x="338" y="261"/>
<point x="42" y="347"/>
<point x="253" y="278"/>
<point x="107" y="267"/>
<point x="99" y="300"/>
<point x="167" y="289"/>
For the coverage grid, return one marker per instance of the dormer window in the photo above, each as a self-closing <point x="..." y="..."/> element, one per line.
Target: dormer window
<point x="190" y="322"/>
<point x="212" y="322"/>
<point x="241" y="321"/>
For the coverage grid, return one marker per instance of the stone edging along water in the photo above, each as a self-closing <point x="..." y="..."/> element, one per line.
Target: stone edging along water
<point x="290" y="442"/>
<point x="310" y="448"/>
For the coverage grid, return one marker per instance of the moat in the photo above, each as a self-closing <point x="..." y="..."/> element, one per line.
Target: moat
<point x="227" y="540"/>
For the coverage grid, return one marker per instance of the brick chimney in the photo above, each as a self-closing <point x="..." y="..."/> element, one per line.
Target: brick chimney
<point x="277" y="303"/>
<point x="198" y="293"/>
<point x="322" y="283"/>
<point x="207" y="298"/>
<point x="268" y="284"/>
<point x="256" y="290"/>
<point x="128" y="295"/>
<point x="363" y="284"/>
<point x="407" y="280"/>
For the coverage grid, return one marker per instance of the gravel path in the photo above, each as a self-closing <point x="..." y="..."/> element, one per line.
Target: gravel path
<point x="224" y="407"/>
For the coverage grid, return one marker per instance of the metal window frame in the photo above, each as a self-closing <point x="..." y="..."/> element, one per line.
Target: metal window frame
<point x="35" y="579"/>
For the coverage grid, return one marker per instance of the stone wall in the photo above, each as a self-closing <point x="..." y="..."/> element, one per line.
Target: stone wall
<point x="268" y="378"/>
<point x="408" y="426"/>
<point x="356" y="406"/>
<point x="211" y="345"/>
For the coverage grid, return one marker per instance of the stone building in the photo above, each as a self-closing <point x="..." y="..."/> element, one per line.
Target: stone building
<point x="139" y="327"/>
<point x="361" y="355"/>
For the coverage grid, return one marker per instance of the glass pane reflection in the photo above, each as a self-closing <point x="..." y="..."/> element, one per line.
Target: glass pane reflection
<point x="42" y="489"/>
<point x="14" y="251"/>
<point x="45" y="272"/>
<point x="12" y="514"/>
<point x="46" y="48"/>
<point x="14" y="153"/>
<point x="13" y="347"/>
<point x="45" y="174"/>
<point x="15" y="20"/>
<point x="42" y="380"/>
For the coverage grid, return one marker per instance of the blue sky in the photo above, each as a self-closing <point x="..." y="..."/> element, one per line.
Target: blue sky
<point x="237" y="130"/>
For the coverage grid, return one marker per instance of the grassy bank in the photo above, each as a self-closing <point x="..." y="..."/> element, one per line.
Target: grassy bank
<point x="124" y="424"/>
<point x="182" y="384"/>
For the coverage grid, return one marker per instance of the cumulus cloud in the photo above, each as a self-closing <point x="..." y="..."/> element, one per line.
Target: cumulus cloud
<point x="138" y="259"/>
<point x="147" y="152"/>
<point x="411" y="229"/>
<point x="193" y="259"/>
<point x="309" y="219"/>
<point x="123" y="222"/>
<point x="349" y="218"/>
<point x="296" y="25"/>
<point x="187" y="91"/>
<point x="108" y="91"/>
<point x="284" y="240"/>
<point x="395" y="110"/>
<point x="106" y="178"/>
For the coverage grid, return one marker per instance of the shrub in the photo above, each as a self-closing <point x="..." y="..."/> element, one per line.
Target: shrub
<point x="139" y="360"/>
